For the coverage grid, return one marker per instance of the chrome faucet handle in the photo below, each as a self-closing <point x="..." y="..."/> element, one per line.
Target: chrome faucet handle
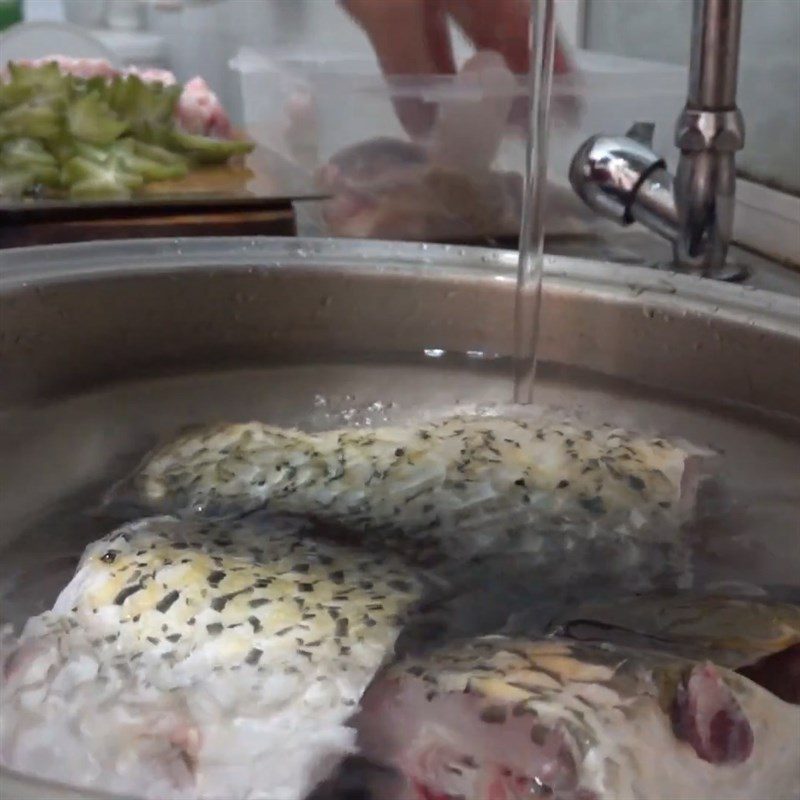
<point x="607" y="171"/>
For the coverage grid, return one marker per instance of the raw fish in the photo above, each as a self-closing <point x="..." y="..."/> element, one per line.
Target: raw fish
<point x="197" y="660"/>
<point x="500" y="718"/>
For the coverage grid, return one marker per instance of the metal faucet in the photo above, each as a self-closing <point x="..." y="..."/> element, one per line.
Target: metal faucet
<point x="622" y="178"/>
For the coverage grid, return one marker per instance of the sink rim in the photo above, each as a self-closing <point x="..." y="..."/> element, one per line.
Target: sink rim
<point x="23" y="267"/>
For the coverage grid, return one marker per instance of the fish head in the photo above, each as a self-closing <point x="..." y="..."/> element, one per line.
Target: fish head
<point x="112" y="561"/>
<point x="511" y="718"/>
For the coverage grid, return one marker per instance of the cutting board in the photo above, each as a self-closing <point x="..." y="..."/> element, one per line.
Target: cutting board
<point x="251" y="197"/>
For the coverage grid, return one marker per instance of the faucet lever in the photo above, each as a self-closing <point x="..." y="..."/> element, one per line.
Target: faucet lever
<point x="642" y="132"/>
<point x="610" y="173"/>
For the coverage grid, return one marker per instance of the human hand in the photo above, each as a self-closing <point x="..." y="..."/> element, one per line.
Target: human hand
<point x="411" y="37"/>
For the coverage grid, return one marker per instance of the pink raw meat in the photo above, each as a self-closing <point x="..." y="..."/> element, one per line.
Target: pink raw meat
<point x="199" y="110"/>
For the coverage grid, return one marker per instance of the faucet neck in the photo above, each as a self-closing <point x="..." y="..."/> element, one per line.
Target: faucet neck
<point x="714" y="58"/>
<point x="709" y="132"/>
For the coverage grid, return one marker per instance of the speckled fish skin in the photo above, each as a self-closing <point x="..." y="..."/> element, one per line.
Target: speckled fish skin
<point x="228" y="588"/>
<point x="499" y="718"/>
<point x="202" y="660"/>
<point x="434" y="475"/>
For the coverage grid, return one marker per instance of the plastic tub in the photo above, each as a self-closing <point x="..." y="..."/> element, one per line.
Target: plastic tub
<point x="310" y="109"/>
<point x="347" y="100"/>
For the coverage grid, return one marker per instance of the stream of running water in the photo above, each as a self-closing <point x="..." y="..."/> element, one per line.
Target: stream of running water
<point x="528" y="299"/>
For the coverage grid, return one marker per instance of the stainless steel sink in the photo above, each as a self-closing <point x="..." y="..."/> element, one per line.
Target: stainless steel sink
<point x="105" y="345"/>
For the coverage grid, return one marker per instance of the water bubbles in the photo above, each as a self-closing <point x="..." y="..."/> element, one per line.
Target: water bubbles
<point x="332" y="412"/>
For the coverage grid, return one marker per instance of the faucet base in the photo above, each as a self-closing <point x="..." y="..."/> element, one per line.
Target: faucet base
<point x="705" y="186"/>
<point x="730" y="272"/>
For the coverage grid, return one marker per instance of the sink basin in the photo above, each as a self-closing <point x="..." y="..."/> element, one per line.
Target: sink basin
<point x="105" y="346"/>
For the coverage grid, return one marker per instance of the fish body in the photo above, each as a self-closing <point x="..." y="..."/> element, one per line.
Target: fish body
<point x="757" y="636"/>
<point x="500" y="718"/>
<point x="194" y="660"/>
<point x="459" y="474"/>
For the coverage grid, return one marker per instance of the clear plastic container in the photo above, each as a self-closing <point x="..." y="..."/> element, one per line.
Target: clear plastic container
<point x="335" y="117"/>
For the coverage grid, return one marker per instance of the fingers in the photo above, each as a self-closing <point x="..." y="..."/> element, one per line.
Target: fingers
<point x="500" y="25"/>
<point x="410" y="37"/>
<point x="503" y="26"/>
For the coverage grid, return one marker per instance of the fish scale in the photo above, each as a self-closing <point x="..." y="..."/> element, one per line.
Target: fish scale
<point x="436" y="476"/>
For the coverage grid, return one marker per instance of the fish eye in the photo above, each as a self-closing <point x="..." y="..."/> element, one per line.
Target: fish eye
<point x="109" y="557"/>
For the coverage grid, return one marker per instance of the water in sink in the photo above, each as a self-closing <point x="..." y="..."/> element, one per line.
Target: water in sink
<point x="56" y="460"/>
